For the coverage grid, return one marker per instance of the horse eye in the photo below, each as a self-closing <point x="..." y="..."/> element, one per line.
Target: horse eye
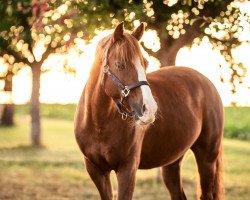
<point x="119" y="65"/>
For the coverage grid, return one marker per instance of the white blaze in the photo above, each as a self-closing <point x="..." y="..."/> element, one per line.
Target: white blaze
<point x="148" y="100"/>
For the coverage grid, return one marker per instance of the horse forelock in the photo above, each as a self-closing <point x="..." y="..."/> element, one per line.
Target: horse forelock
<point x="127" y="49"/>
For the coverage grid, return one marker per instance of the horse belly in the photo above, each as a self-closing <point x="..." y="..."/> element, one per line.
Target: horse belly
<point x="167" y="143"/>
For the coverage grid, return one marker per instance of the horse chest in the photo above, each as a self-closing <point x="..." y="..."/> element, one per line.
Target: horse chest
<point x="99" y="146"/>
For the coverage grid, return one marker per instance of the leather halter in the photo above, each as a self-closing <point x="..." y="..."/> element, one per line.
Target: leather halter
<point x="124" y="90"/>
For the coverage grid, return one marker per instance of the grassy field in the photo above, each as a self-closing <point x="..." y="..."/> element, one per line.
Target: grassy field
<point x="237" y="119"/>
<point x="56" y="170"/>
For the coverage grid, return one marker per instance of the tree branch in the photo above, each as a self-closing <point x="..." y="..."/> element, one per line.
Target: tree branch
<point x="5" y="48"/>
<point x="193" y="31"/>
<point x="17" y="56"/>
<point x="46" y="54"/>
<point x="231" y="40"/>
<point x="149" y="51"/>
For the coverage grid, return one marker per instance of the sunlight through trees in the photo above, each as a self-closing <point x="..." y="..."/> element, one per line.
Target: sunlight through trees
<point x="32" y="30"/>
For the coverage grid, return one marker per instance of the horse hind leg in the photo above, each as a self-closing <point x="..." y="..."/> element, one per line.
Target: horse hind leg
<point x="218" y="183"/>
<point x="210" y="170"/>
<point x="172" y="178"/>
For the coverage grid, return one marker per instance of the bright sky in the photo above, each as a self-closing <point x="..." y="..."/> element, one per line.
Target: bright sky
<point x="58" y="87"/>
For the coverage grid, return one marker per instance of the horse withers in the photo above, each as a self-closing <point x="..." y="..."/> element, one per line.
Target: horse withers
<point x="127" y="120"/>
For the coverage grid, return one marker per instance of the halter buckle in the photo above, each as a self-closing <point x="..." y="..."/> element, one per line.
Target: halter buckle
<point x="124" y="116"/>
<point x="106" y="69"/>
<point x="125" y="91"/>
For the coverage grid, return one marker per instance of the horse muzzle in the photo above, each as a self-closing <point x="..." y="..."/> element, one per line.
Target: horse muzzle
<point x="147" y="116"/>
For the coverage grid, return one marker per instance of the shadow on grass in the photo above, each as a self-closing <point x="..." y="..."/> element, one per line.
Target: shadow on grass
<point x="154" y="181"/>
<point x="43" y="164"/>
<point x="24" y="148"/>
<point x="35" y="157"/>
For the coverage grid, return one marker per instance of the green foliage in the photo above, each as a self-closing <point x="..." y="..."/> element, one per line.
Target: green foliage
<point x="177" y="23"/>
<point x="24" y="25"/>
<point x="60" y="23"/>
<point x="237" y="122"/>
<point x="15" y="27"/>
<point x="60" y="174"/>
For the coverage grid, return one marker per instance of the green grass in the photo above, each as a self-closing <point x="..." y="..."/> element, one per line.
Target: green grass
<point x="237" y="119"/>
<point x="53" y="111"/>
<point x="56" y="170"/>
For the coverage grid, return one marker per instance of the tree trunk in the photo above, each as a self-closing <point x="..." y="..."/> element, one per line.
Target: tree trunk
<point x="170" y="47"/>
<point x="35" y="105"/>
<point x="7" y="118"/>
<point x="167" y="56"/>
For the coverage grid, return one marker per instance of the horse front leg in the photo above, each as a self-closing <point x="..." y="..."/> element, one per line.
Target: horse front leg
<point x="126" y="176"/>
<point x="126" y="171"/>
<point x="101" y="180"/>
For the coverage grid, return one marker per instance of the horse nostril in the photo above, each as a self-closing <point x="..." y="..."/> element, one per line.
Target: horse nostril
<point x="144" y="108"/>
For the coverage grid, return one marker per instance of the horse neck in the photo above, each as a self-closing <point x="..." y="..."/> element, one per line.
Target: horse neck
<point x="99" y="103"/>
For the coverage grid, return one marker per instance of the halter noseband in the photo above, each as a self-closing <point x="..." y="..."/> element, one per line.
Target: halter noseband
<point x="124" y="90"/>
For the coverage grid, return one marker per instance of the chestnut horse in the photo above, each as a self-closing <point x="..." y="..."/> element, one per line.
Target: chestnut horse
<point x="127" y="120"/>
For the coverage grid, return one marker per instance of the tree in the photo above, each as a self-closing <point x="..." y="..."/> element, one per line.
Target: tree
<point x="23" y="30"/>
<point x="7" y="118"/>
<point x="177" y="23"/>
<point x="56" y="24"/>
<point x="17" y="42"/>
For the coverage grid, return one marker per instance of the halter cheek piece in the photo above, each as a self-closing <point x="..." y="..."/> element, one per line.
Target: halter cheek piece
<point x="124" y="90"/>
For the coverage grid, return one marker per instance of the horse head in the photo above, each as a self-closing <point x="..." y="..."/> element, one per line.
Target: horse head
<point x="124" y="77"/>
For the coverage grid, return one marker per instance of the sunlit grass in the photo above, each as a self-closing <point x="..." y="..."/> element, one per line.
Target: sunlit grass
<point x="56" y="170"/>
<point x="57" y="111"/>
<point x="237" y="119"/>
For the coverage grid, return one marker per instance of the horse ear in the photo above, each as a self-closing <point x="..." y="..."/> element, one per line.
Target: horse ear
<point x="138" y="32"/>
<point x="118" y="33"/>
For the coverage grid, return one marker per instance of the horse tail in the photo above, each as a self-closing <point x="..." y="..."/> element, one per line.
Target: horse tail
<point x="218" y="191"/>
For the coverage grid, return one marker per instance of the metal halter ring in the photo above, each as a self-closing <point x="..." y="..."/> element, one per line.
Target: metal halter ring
<point x="125" y="91"/>
<point x="124" y="116"/>
<point x="106" y="69"/>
